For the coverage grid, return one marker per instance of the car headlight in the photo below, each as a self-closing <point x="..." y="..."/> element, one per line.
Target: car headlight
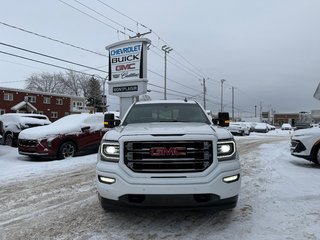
<point x="226" y="150"/>
<point x="110" y="151"/>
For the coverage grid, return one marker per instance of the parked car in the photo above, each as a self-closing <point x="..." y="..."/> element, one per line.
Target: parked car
<point x="261" y="127"/>
<point x="271" y="127"/>
<point x="11" y="124"/>
<point x="305" y="143"/>
<point x="239" y="128"/>
<point x="286" y="126"/>
<point x="64" y="137"/>
<point x="250" y="126"/>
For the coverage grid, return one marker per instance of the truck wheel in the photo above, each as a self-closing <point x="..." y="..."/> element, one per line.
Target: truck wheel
<point x="66" y="150"/>
<point x="9" y="140"/>
<point x="316" y="158"/>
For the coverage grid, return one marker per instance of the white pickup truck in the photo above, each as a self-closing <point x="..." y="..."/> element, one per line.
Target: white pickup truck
<point x="167" y="154"/>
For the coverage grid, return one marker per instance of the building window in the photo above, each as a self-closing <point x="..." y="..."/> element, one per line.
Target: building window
<point x="31" y="99"/>
<point x="77" y="104"/>
<point x="46" y="100"/>
<point x="8" y="97"/>
<point x="59" y="101"/>
<point x="2" y="111"/>
<point x="54" y="114"/>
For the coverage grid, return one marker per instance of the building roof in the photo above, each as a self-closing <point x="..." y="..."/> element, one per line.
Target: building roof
<point x="24" y="104"/>
<point x="39" y="92"/>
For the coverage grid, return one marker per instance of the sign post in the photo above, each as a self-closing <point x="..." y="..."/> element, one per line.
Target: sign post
<point x="128" y="70"/>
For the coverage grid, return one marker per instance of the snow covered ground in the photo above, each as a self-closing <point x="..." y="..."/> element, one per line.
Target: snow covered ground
<point x="279" y="199"/>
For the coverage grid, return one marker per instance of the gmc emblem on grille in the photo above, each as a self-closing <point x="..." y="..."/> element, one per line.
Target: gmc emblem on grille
<point x="172" y="151"/>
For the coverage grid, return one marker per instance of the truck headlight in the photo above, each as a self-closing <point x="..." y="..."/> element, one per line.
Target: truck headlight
<point x="110" y="151"/>
<point x="226" y="150"/>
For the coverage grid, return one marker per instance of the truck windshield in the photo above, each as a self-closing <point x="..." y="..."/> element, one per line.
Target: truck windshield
<point x="166" y="112"/>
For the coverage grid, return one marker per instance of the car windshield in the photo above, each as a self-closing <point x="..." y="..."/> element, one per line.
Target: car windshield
<point x="170" y="112"/>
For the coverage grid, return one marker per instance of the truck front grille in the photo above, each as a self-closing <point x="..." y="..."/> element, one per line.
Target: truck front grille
<point x="168" y="157"/>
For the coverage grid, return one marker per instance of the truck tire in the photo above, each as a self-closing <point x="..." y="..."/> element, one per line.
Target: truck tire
<point x="66" y="150"/>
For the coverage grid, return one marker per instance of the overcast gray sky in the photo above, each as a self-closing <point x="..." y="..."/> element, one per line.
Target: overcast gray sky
<point x="269" y="50"/>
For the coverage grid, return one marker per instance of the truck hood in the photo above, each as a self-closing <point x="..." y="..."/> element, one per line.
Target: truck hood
<point x="165" y="128"/>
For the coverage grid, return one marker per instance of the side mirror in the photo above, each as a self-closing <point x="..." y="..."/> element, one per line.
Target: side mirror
<point x="117" y="122"/>
<point x="110" y="122"/>
<point x="223" y="118"/>
<point x="85" y="129"/>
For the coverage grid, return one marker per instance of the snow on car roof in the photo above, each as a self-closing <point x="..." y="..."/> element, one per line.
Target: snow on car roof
<point x="68" y="124"/>
<point x="166" y="101"/>
<point x="25" y="118"/>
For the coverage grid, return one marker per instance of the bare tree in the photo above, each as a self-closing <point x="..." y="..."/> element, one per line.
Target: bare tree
<point x="70" y="82"/>
<point x="76" y="83"/>
<point x="45" y="82"/>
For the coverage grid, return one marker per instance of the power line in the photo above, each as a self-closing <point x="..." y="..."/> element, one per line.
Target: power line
<point x="100" y="14"/>
<point x="169" y="89"/>
<point x="108" y="25"/>
<point x="45" y="63"/>
<point x="190" y="71"/>
<point x="123" y="14"/>
<point x="55" y="58"/>
<point x="159" y="38"/>
<point x="158" y="74"/>
<point x="25" y="65"/>
<point x="52" y="39"/>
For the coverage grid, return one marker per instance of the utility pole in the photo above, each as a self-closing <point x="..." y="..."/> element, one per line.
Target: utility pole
<point x="204" y="94"/>
<point x="104" y="97"/>
<point x="233" y="103"/>
<point x="222" y="81"/>
<point x="166" y="50"/>
<point x="255" y="111"/>
<point x="260" y="111"/>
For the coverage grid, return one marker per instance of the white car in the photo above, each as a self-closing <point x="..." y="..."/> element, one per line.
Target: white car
<point x="271" y="127"/>
<point x="239" y="128"/>
<point x="261" y="127"/>
<point x="11" y="124"/>
<point x="286" y="126"/>
<point x="305" y="143"/>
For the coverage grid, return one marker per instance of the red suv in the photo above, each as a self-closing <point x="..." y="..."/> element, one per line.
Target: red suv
<point x="64" y="137"/>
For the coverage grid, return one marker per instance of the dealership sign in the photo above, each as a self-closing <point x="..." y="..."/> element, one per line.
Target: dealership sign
<point x="125" y="61"/>
<point x="128" y="70"/>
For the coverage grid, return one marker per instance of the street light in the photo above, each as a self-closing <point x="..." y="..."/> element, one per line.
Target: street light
<point x="222" y="81"/>
<point x="166" y="50"/>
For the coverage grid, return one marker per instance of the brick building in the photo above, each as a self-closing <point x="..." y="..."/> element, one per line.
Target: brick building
<point x="53" y="105"/>
<point x="280" y="118"/>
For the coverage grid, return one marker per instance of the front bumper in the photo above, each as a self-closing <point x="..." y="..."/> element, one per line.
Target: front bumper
<point x="298" y="149"/>
<point x="36" y="151"/>
<point x="151" y="190"/>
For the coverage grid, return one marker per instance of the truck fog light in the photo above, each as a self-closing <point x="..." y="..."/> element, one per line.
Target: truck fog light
<point x="107" y="180"/>
<point x="231" y="179"/>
